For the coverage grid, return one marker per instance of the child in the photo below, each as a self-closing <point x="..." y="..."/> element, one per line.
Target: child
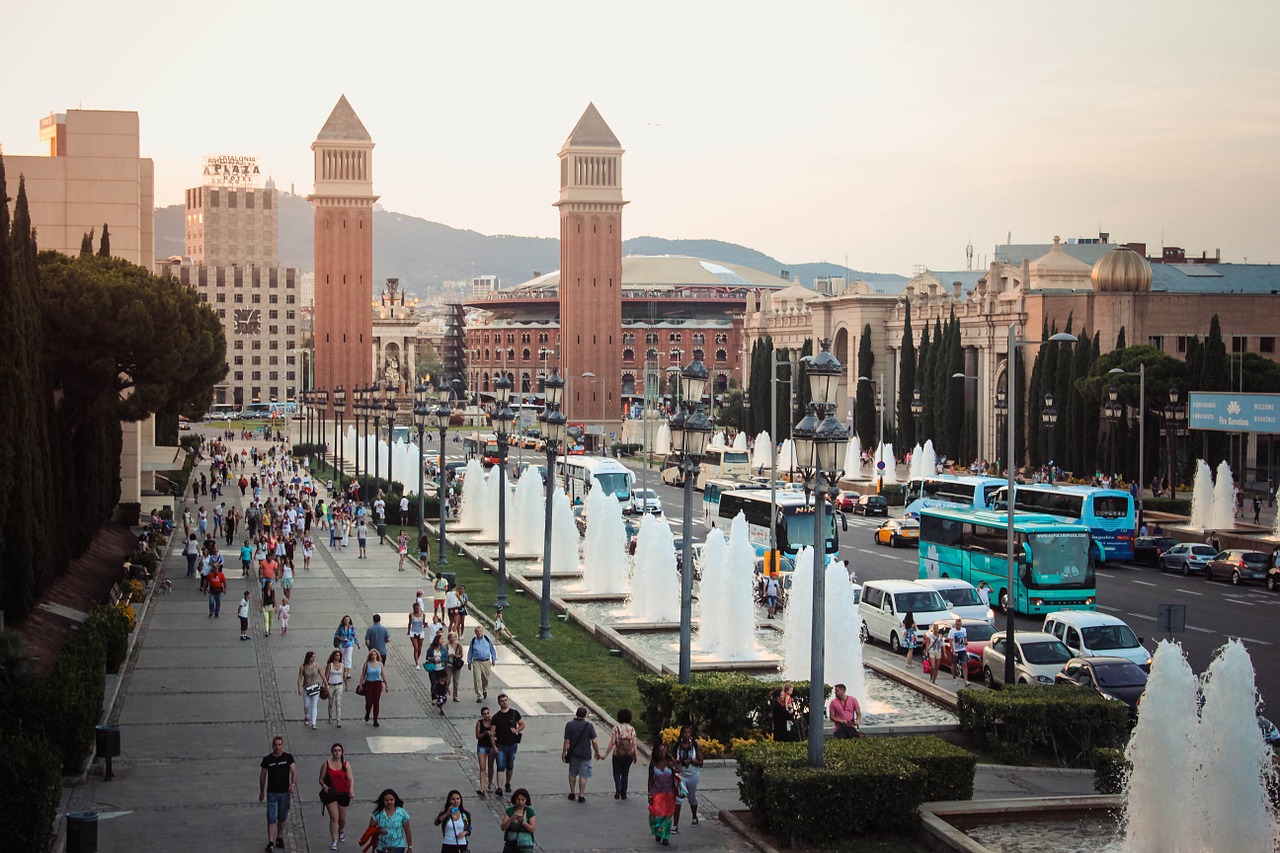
<point x="500" y="628"/>
<point x="243" y="613"/>
<point x="440" y="688"/>
<point x="282" y="614"/>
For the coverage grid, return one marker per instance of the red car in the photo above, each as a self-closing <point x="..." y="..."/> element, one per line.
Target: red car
<point x="979" y="633"/>
<point x="845" y="501"/>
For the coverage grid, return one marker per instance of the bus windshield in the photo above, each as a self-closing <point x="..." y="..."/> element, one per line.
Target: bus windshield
<point x="1060" y="559"/>
<point x="796" y="529"/>
<point x="1111" y="507"/>
<point x="618" y="485"/>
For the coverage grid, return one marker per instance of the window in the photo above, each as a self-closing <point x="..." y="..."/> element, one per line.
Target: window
<point x="256" y="375"/>
<point x="273" y="345"/>
<point x="274" y="376"/>
<point x="273" y="330"/>
<point x="1156" y="342"/>
<point x="222" y="312"/>
<point x="257" y="344"/>
<point x="1239" y="343"/>
<point x="248" y="200"/>
<point x="273" y="298"/>
<point x="290" y="359"/>
<point x="290" y="299"/>
<point x="231" y="199"/>
<point x="237" y="298"/>
<point x="239" y="375"/>
<point x="257" y="359"/>
<point x="255" y="298"/>
<point x="239" y="344"/>
<point x="220" y="297"/>
<point x="291" y="375"/>
<point x="238" y="360"/>
<point x="273" y="314"/>
<point x="1267" y="345"/>
<point x="1181" y="344"/>
<point x="275" y="359"/>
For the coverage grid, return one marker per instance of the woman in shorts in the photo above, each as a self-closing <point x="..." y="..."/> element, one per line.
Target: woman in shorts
<point x="337" y="786"/>
<point x="417" y="631"/>
<point x="933" y="648"/>
<point x="486" y="752"/>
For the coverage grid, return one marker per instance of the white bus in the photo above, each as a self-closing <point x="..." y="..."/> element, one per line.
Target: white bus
<point x="711" y="492"/>
<point x="718" y="463"/>
<point x="949" y="491"/>
<point x="792" y="526"/>
<point x="577" y="472"/>
<point x="222" y="412"/>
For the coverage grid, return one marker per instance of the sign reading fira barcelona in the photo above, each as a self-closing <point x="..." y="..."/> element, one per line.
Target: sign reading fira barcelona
<point x="1234" y="412"/>
<point x="231" y="170"/>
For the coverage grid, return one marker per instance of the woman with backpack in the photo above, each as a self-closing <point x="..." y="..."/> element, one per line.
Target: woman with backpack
<point x="622" y="743"/>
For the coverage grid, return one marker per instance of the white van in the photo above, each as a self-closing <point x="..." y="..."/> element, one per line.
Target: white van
<point x="884" y="603"/>
<point x="962" y="597"/>
<point x="1088" y="634"/>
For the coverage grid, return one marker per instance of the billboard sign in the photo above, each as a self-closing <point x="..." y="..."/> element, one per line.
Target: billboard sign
<point x="1232" y="412"/>
<point x="231" y="170"/>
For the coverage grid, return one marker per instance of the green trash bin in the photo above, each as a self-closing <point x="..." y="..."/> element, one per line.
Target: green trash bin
<point x="82" y="832"/>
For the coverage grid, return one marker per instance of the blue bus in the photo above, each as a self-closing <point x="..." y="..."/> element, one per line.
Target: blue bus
<point x="1108" y="513"/>
<point x="949" y="490"/>
<point x="1053" y="568"/>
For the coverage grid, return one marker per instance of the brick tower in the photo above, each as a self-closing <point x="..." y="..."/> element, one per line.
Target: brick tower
<point x="343" y="201"/>
<point x="591" y="270"/>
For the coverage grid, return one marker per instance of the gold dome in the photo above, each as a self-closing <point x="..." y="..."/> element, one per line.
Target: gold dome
<point x="1122" y="270"/>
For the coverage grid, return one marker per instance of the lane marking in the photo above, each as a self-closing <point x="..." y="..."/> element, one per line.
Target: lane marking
<point x="1140" y="616"/>
<point x="1187" y="591"/>
<point x="1201" y="630"/>
<point x="1144" y="583"/>
<point x="1105" y="607"/>
<point x="1251" y="640"/>
<point x="1099" y="574"/>
<point x="1237" y="601"/>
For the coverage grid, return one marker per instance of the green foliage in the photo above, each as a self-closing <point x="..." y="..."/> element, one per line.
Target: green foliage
<point x="86" y="243"/>
<point x="1021" y="720"/>
<point x="895" y="494"/>
<point x="1177" y="506"/>
<point x="618" y="448"/>
<point x="110" y="630"/>
<point x="30" y="788"/>
<point x="310" y="450"/>
<point x="864" y="413"/>
<point x="866" y="785"/>
<point x="1109" y="770"/>
<point x="104" y="248"/>
<point x="907" y="376"/>
<point x="16" y="665"/>
<point x="720" y="705"/>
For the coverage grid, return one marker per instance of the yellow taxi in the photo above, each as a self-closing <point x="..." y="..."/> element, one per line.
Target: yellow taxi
<point x="898" y="531"/>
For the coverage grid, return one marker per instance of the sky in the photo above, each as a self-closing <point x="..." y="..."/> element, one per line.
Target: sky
<point x="889" y="135"/>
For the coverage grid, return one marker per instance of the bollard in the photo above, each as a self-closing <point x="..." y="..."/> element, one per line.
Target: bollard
<point x="82" y="832"/>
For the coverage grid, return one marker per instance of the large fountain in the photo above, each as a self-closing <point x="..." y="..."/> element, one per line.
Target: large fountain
<point x="655" y="583"/>
<point x="527" y="523"/>
<point x="1224" y="499"/>
<point x="762" y="456"/>
<point x="853" y="459"/>
<point x="604" y="564"/>
<point x="564" y="535"/>
<point x="740" y="441"/>
<point x="475" y="505"/>
<point x="1202" y="497"/>
<point x="787" y="456"/>
<point x="714" y="547"/>
<point x="662" y="441"/>
<point x="842" y="662"/>
<point x="727" y="630"/>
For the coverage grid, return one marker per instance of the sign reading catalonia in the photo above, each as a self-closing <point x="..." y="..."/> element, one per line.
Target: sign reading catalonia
<point x="1234" y="412"/>
<point x="231" y="170"/>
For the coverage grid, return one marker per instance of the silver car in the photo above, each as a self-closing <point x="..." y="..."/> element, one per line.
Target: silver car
<point x="1187" y="558"/>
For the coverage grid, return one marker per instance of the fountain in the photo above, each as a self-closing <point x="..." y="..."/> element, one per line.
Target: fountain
<point x="493" y="494"/>
<point x="853" y="459"/>
<point x="717" y="438"/>
<point x="604" y="564"/>
<point x="474" y="498"/>
<point x="913" y="467"/>
<point x="729" y="623"/>
<point x="890" y="466"/>
<point x="928" y="459"/>
<point x="740" y="441"/>
<point x="528" y="519"/>
<point x="711" y="625"/>
<point x="843" y="662"/>
<point x="762" y="456"/>
<point x="655" y="583"/>
<point x="564" y="535"/>
<point x="1224" y="499"/>
<point x="662" y="441"/>
<point x="1202" y="497"/>
<point x="787" y="457"/>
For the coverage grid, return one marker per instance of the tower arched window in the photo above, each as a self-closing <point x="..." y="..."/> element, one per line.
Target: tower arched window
<point x="697" y="355"/>
<point x="628" y="355"/>
<point x="524" y="353"/>
<point x="511" y="354"/>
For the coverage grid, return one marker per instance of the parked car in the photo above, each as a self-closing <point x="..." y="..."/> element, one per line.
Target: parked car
<point x="1239" y="566"/>
<point x="1147" y="549"/>
<point x="845" y="500"/>
<point x="1111" y="677"/>
<point x="979" y="633"/>
<point x="898" y="531"/>
<point x="695" y="550"/>
<point x="868" y="505"/>
<point x="646" y="500"/>
<point x="1037" y="658"/>
<point x="885" y="602"/>
<point x="962" y="597"/>
<point x="1090" y="634"/>
<point x="1186" y="558"/>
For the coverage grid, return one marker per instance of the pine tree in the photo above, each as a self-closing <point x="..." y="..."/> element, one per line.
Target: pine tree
<point x="86" y="243"/>
<point x="865" y="403"/>
<point x="1120" y="340"/>
<point x="922" y="374"/>
<point x="104" y="248"/>
<point x="906" y="375"/>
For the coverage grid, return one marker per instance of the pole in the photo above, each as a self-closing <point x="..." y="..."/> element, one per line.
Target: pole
<point x="690" y="469"/>
<point x="773" y="459"/>
<point x="442" y="558"/>
<point x="502" y="519"/>
<point x="818" y="636"/>
<point x="544" y="623"/>
<point x="422" y="504"/>
<point x="1010" y="485"/>
<point x="355" y="418"/>
<point x="391" y="441"/>
<point x="1142" y="436"/>
<point x="377" y="463"/>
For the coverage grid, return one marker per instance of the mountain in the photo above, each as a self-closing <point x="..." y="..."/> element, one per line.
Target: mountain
<point x="422" y="253"/>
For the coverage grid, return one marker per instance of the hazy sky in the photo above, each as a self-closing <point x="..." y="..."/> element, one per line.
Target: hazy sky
<point x="890" y="133"/>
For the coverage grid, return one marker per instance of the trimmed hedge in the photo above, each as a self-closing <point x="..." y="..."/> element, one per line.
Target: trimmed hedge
<point x="1174" y="506"/>
<point x="1109" y="770"/>
<point x="30" y="789"/>
<point x="110" y="629"/>
<point x="310" y="449"/>
<point x="720" y="705"/>
<point x="1022" y="720"/>
<point x="866" y="785"/>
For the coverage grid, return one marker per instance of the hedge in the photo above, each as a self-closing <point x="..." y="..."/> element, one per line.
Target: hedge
<point x="311" y="450"/>
<point x="110" y="629"/>
<point x="30" y="789"/>
<point x="1021" y="720"/>
<point x="720" y="705"/>
<point x="867" y="785"/>
<point x="1174" y="506"/>
<point x="1109" y="770"/>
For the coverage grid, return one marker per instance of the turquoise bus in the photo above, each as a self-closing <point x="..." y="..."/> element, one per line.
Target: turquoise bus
<point x="1108" y="513"/>
<point x="1053" y="571"/>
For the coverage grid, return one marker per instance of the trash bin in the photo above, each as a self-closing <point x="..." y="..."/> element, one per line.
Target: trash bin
<point x="107" y="740"/>
<point x="382" y="531"/>
<point x="82" y="832"/>
<point x="451" y="577"/>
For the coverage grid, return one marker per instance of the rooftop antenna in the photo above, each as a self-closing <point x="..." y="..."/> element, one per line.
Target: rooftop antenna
<point x="968" y="254"/>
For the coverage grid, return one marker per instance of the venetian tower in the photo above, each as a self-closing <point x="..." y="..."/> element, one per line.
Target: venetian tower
<point x="343" y="201"/>
<point x="591" y="270"/>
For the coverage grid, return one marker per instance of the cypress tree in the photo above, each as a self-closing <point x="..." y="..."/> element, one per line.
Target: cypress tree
<point x="86" y="243"/>
<point x="803" y="395"/>
<point x="104" y="248"/>
<point x="906" y="375"/>
<point x="865" y="402"/>
<point x="1120" y="340"/>
<point x="954" y="414"/>
<point x="922" y="376"/>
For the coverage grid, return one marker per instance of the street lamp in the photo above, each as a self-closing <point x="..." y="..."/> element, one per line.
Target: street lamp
<point x="375" y="406"/>
<point x="357" y="410"/>
<point x="421" y="411"/>
<point x="340" y="409"/>
<point x="1112" y="411"/>
<point x="1002" y="412"/>
<point x="322" y="400"/>
<point x="1174" y="416"/>
<point x="1011" y="484"/>
<point x="820" y="441"/>
<point x="1142" y="426"/>
<point x="693" y="430"/>
<point x="1049" y="417"/>
<point x="977" y="451"/>
<point x="917" y="409"/>
<point x="392" y="406"/>
<point x="441" y="413"/>
<point x="502" y="418"/>
<point x="552" y="434"/>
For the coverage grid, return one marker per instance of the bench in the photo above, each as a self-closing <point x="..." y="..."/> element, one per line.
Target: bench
<point x="118" y="595"/>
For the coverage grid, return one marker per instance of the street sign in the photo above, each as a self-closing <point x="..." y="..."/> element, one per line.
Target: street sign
<point x="595" y="429"/>
<point x="1232" y="412"/>
<point x="1171" y="618"/>
<point x="880" y="465"/>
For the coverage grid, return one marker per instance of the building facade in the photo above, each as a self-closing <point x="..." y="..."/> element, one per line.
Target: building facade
<point x="233" y="225"/>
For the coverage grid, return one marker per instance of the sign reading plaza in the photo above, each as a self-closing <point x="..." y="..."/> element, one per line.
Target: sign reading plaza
<point x="231" y="170"/>
<point x="1232" y="412"/>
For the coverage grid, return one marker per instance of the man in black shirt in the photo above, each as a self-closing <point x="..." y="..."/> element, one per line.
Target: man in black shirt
<point x="276" y="783"/>
<point x="507" y="725"/>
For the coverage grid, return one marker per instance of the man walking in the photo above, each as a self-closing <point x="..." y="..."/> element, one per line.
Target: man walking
<point x="377" y="635"/>
<point x="845" y="714"/>
<point x="481" y="656"/>
<point x="276" y="784"/>
<point x="508" y="728"/>
<point x="959" y="652"/>
<point x="579" y="747"/>
<point x="217" y="585"/>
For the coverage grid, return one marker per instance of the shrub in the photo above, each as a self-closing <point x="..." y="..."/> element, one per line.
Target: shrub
<point x="137" y="592"/>
<point x="130" y="615"/>
<point x="1019" y="720"/>
<point x="872" y="784"/>
<point x="894" y="495"/>
<point x="711" y="748"/>
<point x="30" y="787"/>
<point x="1174" y="506"/>
<point x="1109" y="770"/>
<point x="310" y="449"/>
<point x="111" y="628"/>
<point x="129" y="512"/>
<point x="720" y="705"/>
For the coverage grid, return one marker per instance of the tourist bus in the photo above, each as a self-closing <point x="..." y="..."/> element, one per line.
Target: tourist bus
<point x="711" y="492"/>
<point x="718" y="463"/>
<point x="792" y="525"/>
<point x="482" y="446"/>
<point x="269" y="411"/>
<point x="577" y="472"/>
<point x="949" y="490"/>
<point x="1053" y="568"/>
<point x="1108" y="513"/>
<point x="222" y="412"/>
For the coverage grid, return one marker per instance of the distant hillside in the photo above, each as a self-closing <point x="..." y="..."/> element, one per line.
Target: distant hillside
<point x="422" y="254"/>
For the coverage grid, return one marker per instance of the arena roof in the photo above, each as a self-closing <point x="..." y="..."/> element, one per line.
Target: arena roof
<point x="666" y="272"/>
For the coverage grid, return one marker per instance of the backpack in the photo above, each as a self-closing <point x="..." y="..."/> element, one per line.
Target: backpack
<point x="626" y="743"/>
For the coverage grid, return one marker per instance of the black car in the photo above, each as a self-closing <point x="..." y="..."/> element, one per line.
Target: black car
<point x="1147" y="549"/>
<point x="871" y="505"/>
<point x="1111" y="677"/>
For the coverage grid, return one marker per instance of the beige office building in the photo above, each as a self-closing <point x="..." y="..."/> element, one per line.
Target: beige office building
<point x="228" y="225"/>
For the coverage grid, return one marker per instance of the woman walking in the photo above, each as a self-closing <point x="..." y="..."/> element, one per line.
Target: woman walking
<point x="664" y="781"/>
<point x="435" y="667"/>
<point x="519" y="824"/>
<point x="622" y="743"/>
<point x="486" y="752"/>
<point x="191" y="550"/>
<point x="268" y="604"/>
<point x="373" y="681"/>
<point x="402" y="546"/>
<point x="455" y="824"/>
<point x="440" y="587"/>
<point x="417" y="631"/>
<point x="345" y="639"/>
<point x="310" y="682"/>
<point x="689" y="759"/>
<point x="459" y="617"/>
<point x="337" y="787"/>
<point x="283" y="614"/>
<point x="390" y="823"/>
<point x="933" y="648"/>
<point x="457" y="658"/>
<point x="335" y="676"/>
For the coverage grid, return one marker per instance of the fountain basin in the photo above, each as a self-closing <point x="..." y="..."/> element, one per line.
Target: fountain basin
<point x="1024" y="825"/>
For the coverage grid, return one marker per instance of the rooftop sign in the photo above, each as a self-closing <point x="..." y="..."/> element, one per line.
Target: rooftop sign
<point x="231" y="170"/>
<point x="1232" y="412"/>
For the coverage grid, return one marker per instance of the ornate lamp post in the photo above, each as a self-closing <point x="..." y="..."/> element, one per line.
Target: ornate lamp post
<point x="1049" y="417"/>
<point x="917" y="409"/>
<point x="421" y="412"/>
<point x="1174" y="416"/>
<point x="1112" y="411"/>
<point x="375" y="406"/>
<point x="1142" y="428"/>
<point x="693" y="430"/>
<point x="322" y="400"/>
<point x="340" y="409"/>
<point x="1002" y="412"/>
<point x="502" y="417"/>
<point x="357" y="410"/>
<point x="552" y="433"/>
<point x="820" y="440"/>
<point x="391" y="407"/>
<point x="441" y="414"/>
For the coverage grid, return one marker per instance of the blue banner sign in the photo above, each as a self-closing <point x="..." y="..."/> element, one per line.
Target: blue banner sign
<point x="1230" y="412"/>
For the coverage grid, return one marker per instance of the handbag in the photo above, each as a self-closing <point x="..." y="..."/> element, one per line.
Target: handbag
<point x="324" y="692"/>
<point x="360" y="689"/>
<point x="455" y="661"/>
<point x="337" y="641"/>
<point x="926" y="666"/>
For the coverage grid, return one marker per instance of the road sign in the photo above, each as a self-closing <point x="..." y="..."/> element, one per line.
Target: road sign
<point x="880" y="465"/>
<point x="595" y="429"/>
<point x="1171" y="618"/>
<point x="1232" y="412"/>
